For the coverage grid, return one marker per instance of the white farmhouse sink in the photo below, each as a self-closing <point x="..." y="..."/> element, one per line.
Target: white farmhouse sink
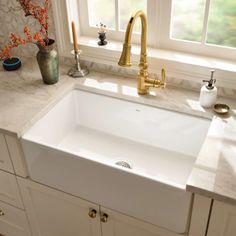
<point x="76" y="145"/>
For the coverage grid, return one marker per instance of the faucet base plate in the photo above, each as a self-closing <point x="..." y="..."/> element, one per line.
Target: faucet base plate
<point x="143" y="91"/>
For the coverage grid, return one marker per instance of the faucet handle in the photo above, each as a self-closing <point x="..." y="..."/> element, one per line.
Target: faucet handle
<point x="152" y="82"/>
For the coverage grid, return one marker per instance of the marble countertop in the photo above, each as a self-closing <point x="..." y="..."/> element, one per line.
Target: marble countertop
<point x="214" y="172"/>
<point x="24" y="99"/>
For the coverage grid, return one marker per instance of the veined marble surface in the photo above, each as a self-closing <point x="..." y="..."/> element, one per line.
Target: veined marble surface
<point x="23" y="95"/>
<point x="24" y="99"/>
<point x="214" y="172"/>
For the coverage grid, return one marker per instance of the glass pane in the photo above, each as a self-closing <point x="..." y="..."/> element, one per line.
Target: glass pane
<point x="187" y="19"/>
<point x="102" y="11"/>
<point x="222" y="23"/>
<point x="127" y="9"/>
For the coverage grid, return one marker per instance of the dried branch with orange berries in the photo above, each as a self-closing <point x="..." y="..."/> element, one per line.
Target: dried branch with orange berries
<point x="40" y="13"/>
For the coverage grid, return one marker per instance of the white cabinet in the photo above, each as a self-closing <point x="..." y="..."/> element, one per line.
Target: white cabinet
<point x="54" y="213"/>
<point x="5" y="161"/>
<point x="16" y="154"/>
<point x="200" y="214"/>
<point x="13" y="221"/>
<point x="11" y="155"/>
<point x="212" y="218"/>
<point x="117" y="224"/>
<point x="222" y="220"/>
<point x="9" y="192"/>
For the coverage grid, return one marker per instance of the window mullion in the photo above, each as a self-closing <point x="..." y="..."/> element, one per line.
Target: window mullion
<point x="117" y="12"/>
<point x="164" y="23"/>
<point x="205" y="22"/>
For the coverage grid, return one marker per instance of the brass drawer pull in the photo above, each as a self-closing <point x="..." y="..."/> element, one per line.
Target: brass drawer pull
<point x="104" y="218"/>
<point x="92" y="213"/>
<point x="2" y="213"/>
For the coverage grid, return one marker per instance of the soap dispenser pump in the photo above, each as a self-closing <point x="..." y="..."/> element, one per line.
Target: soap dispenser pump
<point x="208" y="92"/>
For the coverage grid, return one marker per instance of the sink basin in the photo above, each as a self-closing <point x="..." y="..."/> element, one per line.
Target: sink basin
<point x="130" y="157"/>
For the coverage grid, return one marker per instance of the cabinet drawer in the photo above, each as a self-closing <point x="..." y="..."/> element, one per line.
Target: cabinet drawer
<point x="13" y="221"/>
<point x="9" y="191"/>
<point x="5" y="161"/>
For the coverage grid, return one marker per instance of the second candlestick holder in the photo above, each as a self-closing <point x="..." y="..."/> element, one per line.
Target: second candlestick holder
<point x="77" y="71"/>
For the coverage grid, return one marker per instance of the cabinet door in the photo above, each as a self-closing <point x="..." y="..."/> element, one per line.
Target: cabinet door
<point x="223" y="220"/>
<point x="17" y="156"/>
<point x="200" y="214"/>
<point x="5" y="161"/>
<point x="54" y="213"/>
<point x="117" y="224"/>
<point x="13" y="221"/>
<point x="9" y="191"/>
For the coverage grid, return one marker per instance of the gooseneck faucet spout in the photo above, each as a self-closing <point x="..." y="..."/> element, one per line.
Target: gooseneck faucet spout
<point x="144" y="82"/>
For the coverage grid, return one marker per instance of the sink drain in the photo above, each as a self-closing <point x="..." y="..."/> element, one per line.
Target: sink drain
<point x="123" y="164"/>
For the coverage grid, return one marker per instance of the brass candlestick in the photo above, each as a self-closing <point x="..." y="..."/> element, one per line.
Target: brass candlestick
<point x="77" y="71"/>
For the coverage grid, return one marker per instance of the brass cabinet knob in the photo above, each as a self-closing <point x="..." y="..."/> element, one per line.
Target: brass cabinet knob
<point x="2" y="213"/>
<point x="104" y="218"/>
<point x="92" y="213"/>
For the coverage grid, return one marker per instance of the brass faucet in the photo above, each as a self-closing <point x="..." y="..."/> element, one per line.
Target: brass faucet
<point x="144" y="81"/>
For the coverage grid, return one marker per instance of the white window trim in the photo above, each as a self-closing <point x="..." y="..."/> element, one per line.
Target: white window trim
<point x="178" y="65"/>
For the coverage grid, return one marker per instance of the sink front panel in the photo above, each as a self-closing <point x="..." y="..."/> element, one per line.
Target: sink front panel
<point x="110" y="186"/>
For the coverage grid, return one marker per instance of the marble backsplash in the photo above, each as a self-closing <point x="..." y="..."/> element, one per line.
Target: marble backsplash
<point x="130" y="72"/>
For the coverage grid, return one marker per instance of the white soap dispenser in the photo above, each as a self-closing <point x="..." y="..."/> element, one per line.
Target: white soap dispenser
<point x="208" y="92"/>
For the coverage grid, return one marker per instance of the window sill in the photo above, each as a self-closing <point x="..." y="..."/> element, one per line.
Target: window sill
<point x="178" y="65"/>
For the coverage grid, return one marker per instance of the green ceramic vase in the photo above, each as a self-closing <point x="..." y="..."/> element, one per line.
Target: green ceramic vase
<point x="48" y="62"/>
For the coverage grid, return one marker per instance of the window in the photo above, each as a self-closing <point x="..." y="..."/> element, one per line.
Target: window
<point x="197" y="26"/>
<point x="205" y="27"/>
<point x="201" y="26"/>
<point x="211" y="22"/>
<point x="171" y="33"/>
<point x="187" y="20"/>
<point x="115" y="15"/>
